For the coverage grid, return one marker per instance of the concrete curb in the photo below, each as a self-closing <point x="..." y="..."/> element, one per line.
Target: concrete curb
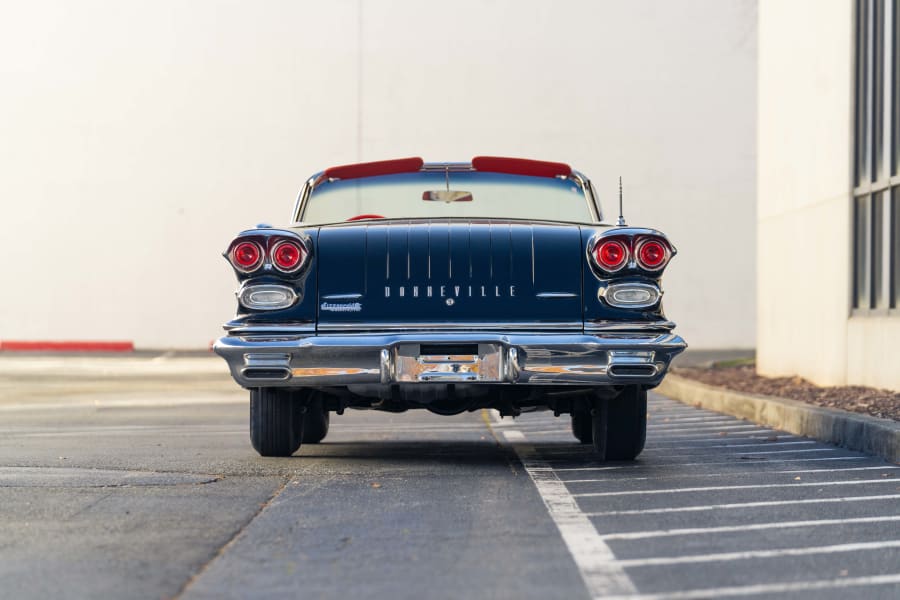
<point x="871" y="435"/>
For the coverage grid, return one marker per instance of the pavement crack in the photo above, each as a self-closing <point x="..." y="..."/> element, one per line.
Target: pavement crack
<point x="232" y="540"/>
<point x="88" y="506"/>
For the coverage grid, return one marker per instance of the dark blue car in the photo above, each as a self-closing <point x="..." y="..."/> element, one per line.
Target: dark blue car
<point x="450" y="287"/>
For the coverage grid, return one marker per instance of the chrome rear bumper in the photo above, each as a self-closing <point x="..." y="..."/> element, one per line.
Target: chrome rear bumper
<point x="304" y="360"/>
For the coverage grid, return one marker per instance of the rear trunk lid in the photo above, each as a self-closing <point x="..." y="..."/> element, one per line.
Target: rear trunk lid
<point x="426" y="274"/>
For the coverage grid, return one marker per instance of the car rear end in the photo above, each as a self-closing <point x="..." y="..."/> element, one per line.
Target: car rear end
<point x="458" y="306"/>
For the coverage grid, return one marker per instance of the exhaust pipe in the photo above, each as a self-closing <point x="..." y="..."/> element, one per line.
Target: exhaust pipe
<point x="267" y="373"/>
<point x="632" y="370"/>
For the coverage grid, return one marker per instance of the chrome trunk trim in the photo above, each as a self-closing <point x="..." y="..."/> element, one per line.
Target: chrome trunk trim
<point x="429" y="326"/>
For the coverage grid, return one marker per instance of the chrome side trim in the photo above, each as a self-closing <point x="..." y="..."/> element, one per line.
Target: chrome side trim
<point x="302" y="197"/>
<point x="588" y="190"/>
<point x="341" y="297"/>
<point x="556" y="295"/>
<point x="649" y="326"/>
<point x="239" y="328"/>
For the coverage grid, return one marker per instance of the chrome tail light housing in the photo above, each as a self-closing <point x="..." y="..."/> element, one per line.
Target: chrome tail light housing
<point x="246" y="256"/>
<point x="287" y="256"/>
<point x="652" y="253"/>
<point x="630" y="251"/>
<point x="267" y="251"/>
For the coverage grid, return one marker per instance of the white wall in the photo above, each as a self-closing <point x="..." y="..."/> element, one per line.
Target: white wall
<point x="805" y="128"/>
<point x="806" y="75"/>
<point x="137" y="137"/>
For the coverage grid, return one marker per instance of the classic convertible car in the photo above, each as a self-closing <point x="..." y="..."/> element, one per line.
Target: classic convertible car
<point x="450" y="287"/>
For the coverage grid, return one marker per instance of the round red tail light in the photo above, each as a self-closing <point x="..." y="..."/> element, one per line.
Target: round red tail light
<point x="287" y="256"/>
<point x="246" y="256"/>
<point x="652" y="254"/>
<point x="611" y="255"/>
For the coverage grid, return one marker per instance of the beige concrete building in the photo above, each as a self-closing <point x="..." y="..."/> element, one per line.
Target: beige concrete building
<point x="136" y="138"/>
<point x="828" y="245"/>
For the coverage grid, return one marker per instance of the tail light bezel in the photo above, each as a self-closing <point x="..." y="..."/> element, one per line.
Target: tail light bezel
<point x="626" y="248"/>
<point x="276" y="243"/>
<point x="267" y="244"/>
<point x="260" y="258"/>
<point x="633" y="242"/>
<point x="640" y="242"/>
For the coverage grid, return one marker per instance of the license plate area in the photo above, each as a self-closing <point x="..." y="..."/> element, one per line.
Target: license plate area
<point x="448" y="363"/>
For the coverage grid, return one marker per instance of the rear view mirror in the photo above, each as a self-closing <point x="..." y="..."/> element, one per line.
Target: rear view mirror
<point x="447" y="196"/>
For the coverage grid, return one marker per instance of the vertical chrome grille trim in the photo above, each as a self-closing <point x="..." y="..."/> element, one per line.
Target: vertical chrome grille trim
<point x="532" y="256"/>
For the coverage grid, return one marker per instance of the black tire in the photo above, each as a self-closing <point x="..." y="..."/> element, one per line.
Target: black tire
<point x="599" y="422"/>
<point x="315" y="421"/>
<point x="626" y="429"/>
<point x="276" y="421"/>
<point x="582" y="424"/>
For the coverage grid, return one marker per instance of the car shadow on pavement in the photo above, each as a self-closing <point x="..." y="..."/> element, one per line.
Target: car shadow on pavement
<point x="459" y="452"/>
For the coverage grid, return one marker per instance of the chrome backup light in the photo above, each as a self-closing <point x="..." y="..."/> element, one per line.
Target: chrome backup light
<point x="631" y="295"/>
<point x="267" y="297"/>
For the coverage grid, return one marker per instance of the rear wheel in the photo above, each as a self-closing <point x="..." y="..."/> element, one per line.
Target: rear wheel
<point x="276" y="421"/>
<point x="627" y="424"/>
<point x="582" y="424"/>
<point x="599" y="426"/>
<point x="619" y="425"/>
<point x="315" y="421"/>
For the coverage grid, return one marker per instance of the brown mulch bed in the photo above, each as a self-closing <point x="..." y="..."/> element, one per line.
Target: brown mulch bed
<point x="743" y="378"/>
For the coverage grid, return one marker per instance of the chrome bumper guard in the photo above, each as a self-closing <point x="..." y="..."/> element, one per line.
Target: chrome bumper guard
<point x="303" y="360"/>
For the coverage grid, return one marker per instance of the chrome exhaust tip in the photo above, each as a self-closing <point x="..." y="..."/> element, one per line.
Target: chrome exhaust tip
<point x="632" y="370"/>
<point x="266" y="373"/>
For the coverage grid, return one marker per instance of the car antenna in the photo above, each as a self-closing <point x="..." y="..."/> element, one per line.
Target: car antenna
<point x="621" y="221"/>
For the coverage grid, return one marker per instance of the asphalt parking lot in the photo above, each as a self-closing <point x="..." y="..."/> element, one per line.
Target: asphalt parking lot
<point x="134" y="478"/>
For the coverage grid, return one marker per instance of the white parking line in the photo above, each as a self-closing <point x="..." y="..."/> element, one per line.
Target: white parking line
<point x="722" y="488"/>
<point x="601" y="572"/>
<point x="675" y="509"/>
<point x="706" y="424"/>
<point x="738" y="428"/>
<point x="765" y="435"/>
<point x="766" y="461"/>
<point x="748" y="554"/>
<point x="757" y="452"/>
<point x="161" y="401"/>
<point x="642" y="535"/>
<point x="513" y="436"/>
<point x="578" y="447"/>
<point x="550" y="452"/>
<point x="717" y="418"/>
<point x="596" y="562"/>
<point x="760" y="433"/>
<point x="766" y="589"/>
<point x="878" y="468"/>
<point x="735" y="474"/>
<point x="766" y="444"/>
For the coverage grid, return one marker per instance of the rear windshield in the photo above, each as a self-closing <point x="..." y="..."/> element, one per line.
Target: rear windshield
<point x="461" y="194"/>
